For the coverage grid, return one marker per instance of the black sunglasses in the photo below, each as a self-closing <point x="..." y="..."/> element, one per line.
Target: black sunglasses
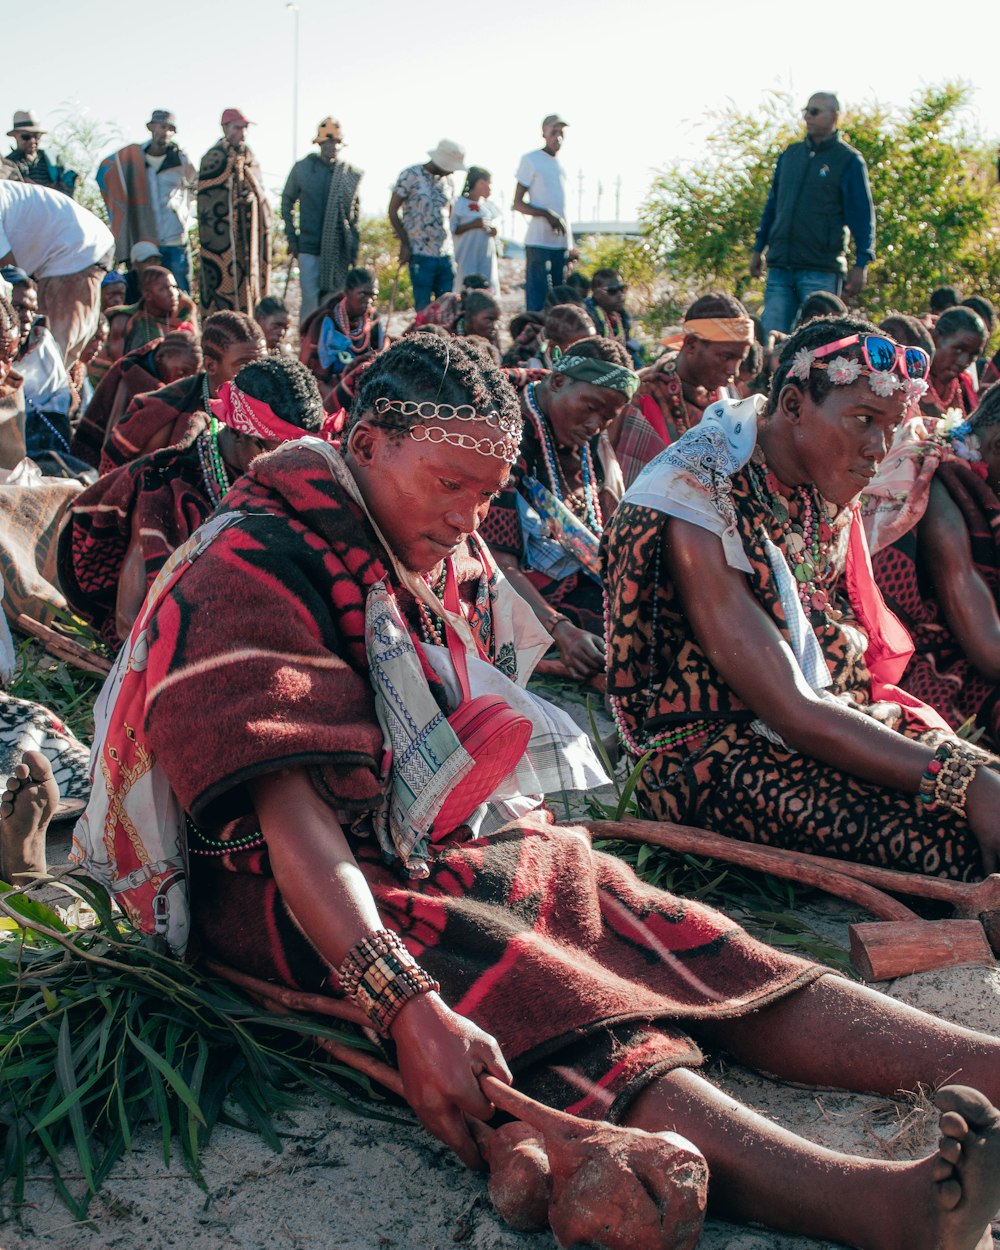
<point x="613" y="290"/>
<point x="807" y="112"/>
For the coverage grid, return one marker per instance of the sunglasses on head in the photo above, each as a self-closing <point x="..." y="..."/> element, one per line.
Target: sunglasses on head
<point x="882" y="355"/>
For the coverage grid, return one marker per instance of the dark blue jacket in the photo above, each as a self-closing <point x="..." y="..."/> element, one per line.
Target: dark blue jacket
<point x="819" y="191"/>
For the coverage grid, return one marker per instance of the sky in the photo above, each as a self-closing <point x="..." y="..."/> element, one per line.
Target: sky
<point x="637" y="81"/>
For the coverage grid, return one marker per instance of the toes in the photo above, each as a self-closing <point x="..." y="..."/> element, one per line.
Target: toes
<point x="972" y="1106"/>
<point x="952" y="1125"/>
<point x="942" y="1169"/>
<point x="950" y="1150"/>
<point x="949" y="1194"/>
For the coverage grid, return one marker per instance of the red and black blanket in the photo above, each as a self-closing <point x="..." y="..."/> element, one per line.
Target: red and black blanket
<point x="160" y="500"/>
<point x="256" y="663"/>
<point x="134" y="374"/>
<point x="151" y="422"/>
<point x="939" y="672"/>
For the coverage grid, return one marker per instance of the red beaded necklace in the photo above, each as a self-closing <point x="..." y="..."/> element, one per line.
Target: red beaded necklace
<point x="360" y="338"/>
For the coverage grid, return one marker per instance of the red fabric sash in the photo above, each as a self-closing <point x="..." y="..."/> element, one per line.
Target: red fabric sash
<point x="890" y="648"/>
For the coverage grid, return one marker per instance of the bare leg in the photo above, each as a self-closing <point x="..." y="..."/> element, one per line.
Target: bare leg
<point x="763" y="1174"/>
<point x="26" y="808"/>
<point x="837" y="1033"/>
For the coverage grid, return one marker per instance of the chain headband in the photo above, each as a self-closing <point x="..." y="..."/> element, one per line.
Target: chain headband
<point x="506" y="448"/>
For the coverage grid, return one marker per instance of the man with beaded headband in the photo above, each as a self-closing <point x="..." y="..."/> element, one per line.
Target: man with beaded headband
<point x="522" y="946"/>
<point x="758" y="664"/>
<point x="545" y="526"/>
<point x="697" y="367"/>
<point x="120" y="531"/>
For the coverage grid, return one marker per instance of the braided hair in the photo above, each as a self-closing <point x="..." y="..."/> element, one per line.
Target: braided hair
<point x="223" y="330"/>
<point x="715" y="304"/>
<point x="10" y="336"/>
<point x="426" y="368"/>
<point x="597" y="348"/>
<point x="287" y="387"/>
<point x="816" y="333"/>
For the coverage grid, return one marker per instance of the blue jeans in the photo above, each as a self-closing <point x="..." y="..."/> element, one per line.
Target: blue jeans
<point x="431" y="276"/>
<point x="788" y="289"/>
<point x="177" y="259"/>
<point x="541" y="264"/>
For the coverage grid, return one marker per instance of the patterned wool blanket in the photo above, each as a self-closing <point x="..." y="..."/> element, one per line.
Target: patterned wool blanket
<point x="234" y="229"/>
<point x="156" y="502"/>
<point x="151" y="422"/>
<point x="134" y="374"/>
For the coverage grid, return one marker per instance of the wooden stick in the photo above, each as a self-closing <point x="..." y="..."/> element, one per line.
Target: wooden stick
<point x="791" y="865"/>
<point x="63" y="648"/>
<point x="881" y="952"/>
<point x="392" y="301"/>
<point x="285" y="997"/>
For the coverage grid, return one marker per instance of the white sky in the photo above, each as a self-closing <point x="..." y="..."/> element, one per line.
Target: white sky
<point x="634" y="79"/>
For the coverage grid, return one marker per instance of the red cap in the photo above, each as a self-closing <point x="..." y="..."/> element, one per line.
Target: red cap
<point x="234" y="115"/>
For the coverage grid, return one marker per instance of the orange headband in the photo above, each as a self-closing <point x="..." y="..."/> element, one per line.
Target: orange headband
<point x="721" y="329"/>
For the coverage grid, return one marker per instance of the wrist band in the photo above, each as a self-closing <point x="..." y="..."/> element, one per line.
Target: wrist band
<point x="556" y="620"/>
<point x="947" y="778"/>
<point x="381" y="975"/>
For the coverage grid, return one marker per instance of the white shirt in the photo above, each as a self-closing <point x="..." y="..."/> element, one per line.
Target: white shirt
<point x="545" y="179"/>
<point x="49" y="234"/>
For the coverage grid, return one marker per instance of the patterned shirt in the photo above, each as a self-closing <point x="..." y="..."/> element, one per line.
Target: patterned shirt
<point x="426" y="210"/>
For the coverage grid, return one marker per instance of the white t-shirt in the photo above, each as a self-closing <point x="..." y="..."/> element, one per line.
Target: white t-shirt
<point x="545" y="179"/>
<point x="49" y="234"/>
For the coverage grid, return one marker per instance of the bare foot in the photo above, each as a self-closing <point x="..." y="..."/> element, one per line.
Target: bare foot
<point x="965" y="1174"/>
<point x="26" y="807"/>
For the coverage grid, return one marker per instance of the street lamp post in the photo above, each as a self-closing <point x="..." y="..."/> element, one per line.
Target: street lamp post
<point x="294" y="10"/>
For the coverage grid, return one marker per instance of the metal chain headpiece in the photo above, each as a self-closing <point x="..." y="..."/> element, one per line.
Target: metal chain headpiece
<point x="506" y="448"/>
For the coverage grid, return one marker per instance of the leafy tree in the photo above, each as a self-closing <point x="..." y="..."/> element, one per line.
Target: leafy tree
<point x="933" y="182"/>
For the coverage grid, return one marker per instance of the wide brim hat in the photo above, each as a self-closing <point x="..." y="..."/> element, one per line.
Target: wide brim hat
<point x="329" y="128"/>
<point x="448" y="155"/>
<point x="25" y="123"/>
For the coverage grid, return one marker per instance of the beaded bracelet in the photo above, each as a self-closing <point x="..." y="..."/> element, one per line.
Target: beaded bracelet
<point x="381" y="975"/>
<point x="947" y="778"/>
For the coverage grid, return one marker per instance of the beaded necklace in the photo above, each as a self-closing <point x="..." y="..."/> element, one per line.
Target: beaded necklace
<point x="593" y="514"/>
<point x="953" y="398"/>
<point x="360" y="338"/>
<point x="213" y="468"/>
<point x="206" y="394"/>
<point x="432" y="630"/>
<point x="219" y="846"/>
<point x="808" y="541"/>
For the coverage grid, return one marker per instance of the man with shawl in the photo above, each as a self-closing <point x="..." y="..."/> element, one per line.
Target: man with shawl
<point x="234" y="222"/>
<point x="326" y="240"/>
<point x="122" y="529"/>
<point x="148" y="188"/>
<point x="697" y="368"/>
<point x="229" y="341"/>
<point x="147" y="368"/>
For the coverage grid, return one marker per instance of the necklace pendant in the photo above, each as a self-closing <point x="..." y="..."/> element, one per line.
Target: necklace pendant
<point x="803" y="571"/>
<point x="780" y="511"/>
<point x="820" y="601"/>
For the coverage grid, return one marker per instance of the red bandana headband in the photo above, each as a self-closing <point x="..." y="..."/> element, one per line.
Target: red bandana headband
<point x="253" y="417"/>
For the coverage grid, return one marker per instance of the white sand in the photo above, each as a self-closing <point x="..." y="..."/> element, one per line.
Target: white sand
<point x="348" y="1183"/>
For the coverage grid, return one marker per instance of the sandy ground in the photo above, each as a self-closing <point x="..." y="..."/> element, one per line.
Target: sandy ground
<point x="343" y="1182"/>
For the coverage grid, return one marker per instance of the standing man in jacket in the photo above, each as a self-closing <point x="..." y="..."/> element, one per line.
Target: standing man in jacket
<point x="819" y="192"/>
<point x="326" y="240"/>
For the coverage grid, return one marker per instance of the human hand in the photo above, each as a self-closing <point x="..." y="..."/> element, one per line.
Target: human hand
<point x="582" y="653"/>
<point x="756" y="264"/>
<point x="982" y="802"/>
<point x="856" y="282"/>
<point x="572" y="254"/>
<point x="556" y="222"/>
<point x="441" y="1056"/>
<point x="491" y="231"/>
<point x="404" y="253"/>
<point x="293" y="249"/>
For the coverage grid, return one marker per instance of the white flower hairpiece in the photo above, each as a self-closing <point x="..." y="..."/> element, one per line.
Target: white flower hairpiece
<point x="884" y="384"/>
<point x="842" y="371"/>
<point x="802" y="363"/>
<point x="916" y="389"/>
